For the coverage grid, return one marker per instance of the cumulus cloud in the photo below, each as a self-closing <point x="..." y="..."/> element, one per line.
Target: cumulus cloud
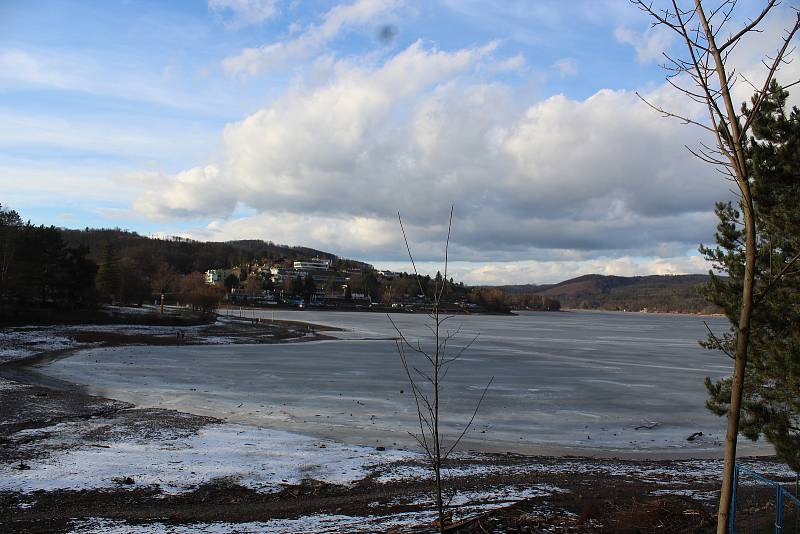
<point x="649" y="44"/>
<point x="241" y="13"/>
<point x="557" y="179"/>
<point x="197" y="192"/>
<point x="311" y="40"/>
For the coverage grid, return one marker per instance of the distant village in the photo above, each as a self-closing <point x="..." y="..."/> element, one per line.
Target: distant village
<point x="323" y="283"/>
<point x="310" y="282"/>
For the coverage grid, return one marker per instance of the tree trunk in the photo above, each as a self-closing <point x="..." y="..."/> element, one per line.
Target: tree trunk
<point x="439" y="499"/>
<point x="737" y="384"/>
<point x="735" y="139"/>
<point x="436" y="440"/>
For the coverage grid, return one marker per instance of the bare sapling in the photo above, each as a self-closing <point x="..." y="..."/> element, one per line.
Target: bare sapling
<point x="705" y="74"/>
<point x="426" y="366"/>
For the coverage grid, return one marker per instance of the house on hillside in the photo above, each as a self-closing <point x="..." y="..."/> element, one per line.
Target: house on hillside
<point x="215" y="276"/>
<point x="318" y="264"/>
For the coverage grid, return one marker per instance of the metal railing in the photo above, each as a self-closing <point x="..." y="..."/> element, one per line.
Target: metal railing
<point x="783" y="499"/>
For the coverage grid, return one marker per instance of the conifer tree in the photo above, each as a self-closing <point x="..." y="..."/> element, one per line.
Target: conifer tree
<point x="10" y="223"/>
<point x="771" y="400"/>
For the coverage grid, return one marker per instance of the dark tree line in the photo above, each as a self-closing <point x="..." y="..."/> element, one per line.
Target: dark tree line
<point x="61" y="268"/>
<point x="38" y="269"/>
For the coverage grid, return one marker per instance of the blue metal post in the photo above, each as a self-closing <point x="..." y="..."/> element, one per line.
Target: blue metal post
<point x="732" y="511"/>
<point x="778" y="509"/>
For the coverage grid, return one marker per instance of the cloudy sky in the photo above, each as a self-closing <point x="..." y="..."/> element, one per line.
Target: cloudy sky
<point x="314" y="123"/>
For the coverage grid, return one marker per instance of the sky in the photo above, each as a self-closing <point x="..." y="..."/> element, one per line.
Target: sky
<point x="316" y="123"/>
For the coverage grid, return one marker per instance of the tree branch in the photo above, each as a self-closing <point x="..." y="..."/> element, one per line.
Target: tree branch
<point x="749" y="27"/>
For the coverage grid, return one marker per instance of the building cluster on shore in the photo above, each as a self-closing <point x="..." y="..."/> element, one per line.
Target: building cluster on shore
<point x="323" y="282"/>
<point x="310" y="281"/>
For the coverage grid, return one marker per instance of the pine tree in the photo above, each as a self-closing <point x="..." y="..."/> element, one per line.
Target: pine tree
<point x="10" y="223"/>
<point x="771" y="402"/>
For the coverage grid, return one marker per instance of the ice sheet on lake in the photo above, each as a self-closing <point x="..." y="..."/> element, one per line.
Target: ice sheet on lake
<point x="563" y="382"/>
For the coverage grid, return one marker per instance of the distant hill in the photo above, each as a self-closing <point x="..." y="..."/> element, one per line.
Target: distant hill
<point x="185" y="255"/>
<point x="663" y="293"/>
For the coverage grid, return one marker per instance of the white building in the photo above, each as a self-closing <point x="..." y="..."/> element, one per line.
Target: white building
<point x="214" y="275"/>
<point x="314" y="263"/>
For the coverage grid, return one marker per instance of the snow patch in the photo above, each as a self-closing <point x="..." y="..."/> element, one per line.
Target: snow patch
<point x="703" y="496"/>
<point x="319" y="523"/>
<point x="18" y="343"/>
<point x="467" y="503"/>
<point x="258" y="458"/>
<point x="675" y="471"/>
<point x="10" y="385"/>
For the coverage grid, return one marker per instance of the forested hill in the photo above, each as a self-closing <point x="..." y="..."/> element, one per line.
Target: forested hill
<point x="184" y="255"/>
<point x="663" y="293"/>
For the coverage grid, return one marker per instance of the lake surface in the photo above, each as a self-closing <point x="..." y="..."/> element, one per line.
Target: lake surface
<point x="569" y="382"/>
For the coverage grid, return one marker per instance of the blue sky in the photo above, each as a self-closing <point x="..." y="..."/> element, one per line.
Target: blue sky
<point x="297" y="122"/>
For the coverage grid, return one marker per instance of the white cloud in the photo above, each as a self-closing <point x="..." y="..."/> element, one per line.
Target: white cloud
<point x="197" y="192"/>
<point x="241" y="13"/>
<point x="649" y="44"/>
<point x="338" y="19"/>
<point x="566" y="67"/>
<point x="330" y="165"/>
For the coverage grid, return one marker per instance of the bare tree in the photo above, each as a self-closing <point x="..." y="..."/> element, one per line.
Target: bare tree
<point x="705" y="74"/>
<point x="426" y="377"/>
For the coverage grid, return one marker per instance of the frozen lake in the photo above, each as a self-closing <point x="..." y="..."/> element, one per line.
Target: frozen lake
<point x="570" y="382"/>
